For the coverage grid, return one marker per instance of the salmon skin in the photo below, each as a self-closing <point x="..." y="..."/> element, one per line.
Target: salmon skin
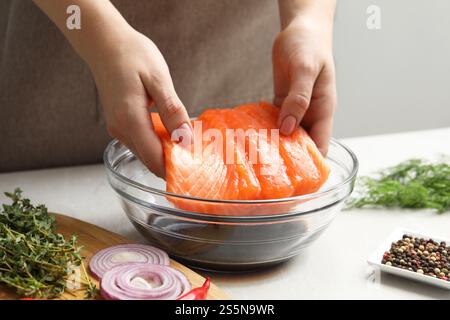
<point x="238" y="154"/>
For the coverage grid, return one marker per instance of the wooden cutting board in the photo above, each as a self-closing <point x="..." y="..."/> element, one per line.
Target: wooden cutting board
<point x="93" y="239"/>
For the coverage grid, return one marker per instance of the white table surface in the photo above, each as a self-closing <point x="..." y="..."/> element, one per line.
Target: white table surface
<point x="334" y="267"/>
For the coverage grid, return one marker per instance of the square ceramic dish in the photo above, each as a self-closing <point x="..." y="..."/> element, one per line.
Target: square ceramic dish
<point x="377" y="256"/>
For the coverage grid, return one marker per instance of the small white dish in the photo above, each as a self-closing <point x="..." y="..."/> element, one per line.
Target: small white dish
<point x="377" y="256"/>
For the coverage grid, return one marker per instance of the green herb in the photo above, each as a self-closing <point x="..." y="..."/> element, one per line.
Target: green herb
<point x="413" y="184"/>
<point x="34" y="259"/>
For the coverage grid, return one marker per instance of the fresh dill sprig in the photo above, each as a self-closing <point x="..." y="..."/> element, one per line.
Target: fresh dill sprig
<point x="35" y="260"/>
<point x="414" y="184"/>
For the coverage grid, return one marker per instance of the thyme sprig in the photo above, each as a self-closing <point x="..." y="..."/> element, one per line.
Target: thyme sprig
<point x="415" y="184"/>
<point x="35" y="260"/>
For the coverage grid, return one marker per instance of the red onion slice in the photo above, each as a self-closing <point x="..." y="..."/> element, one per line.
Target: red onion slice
<point x="110" y="257"/>
<point x="140" y="281"/>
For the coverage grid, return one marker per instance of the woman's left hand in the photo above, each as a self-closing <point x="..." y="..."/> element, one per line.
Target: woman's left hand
<point x="304" y="78"/>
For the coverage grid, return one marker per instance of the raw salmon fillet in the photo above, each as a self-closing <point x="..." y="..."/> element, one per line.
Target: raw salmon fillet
<point x="242" y="157"/>
<point x="247" y="182"/>
<point x="305" y="165"/>
<point x="199" y="175"/>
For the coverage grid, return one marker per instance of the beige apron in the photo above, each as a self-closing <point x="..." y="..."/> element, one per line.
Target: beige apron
<point x="218" y="52"/>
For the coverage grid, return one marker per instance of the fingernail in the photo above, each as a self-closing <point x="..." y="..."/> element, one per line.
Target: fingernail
<point x="288" y="125"/>
<point x="185" y="132"/>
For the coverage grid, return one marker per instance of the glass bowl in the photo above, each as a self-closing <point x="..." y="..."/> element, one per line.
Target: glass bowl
<point x="228" y="235"/>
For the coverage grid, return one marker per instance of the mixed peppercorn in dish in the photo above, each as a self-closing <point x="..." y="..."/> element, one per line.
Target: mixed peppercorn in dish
<point x="424" y="256"/>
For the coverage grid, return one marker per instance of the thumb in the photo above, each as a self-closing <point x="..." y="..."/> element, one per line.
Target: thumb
<point x="170" y="108"/>
<point x="297" y="101"/>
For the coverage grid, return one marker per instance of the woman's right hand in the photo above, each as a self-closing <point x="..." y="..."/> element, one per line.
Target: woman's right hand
<point x="131" y="74"/>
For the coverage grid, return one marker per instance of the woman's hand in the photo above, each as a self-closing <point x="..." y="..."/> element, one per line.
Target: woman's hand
<point x="304" y="76"/>
<point x="129" y="76"/>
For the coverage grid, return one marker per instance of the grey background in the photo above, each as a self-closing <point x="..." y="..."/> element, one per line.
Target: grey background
<point x="396" y="78"/>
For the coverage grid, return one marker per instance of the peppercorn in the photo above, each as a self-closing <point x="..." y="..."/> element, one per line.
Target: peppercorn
<point x="424" y="256"/>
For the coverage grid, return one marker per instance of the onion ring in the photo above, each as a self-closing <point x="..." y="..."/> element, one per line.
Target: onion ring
<point x="110" y="257"/>
<point x="120" y="282"/>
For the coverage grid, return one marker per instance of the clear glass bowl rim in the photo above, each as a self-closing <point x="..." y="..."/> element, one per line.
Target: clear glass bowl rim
<point x="322" y="193"/>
